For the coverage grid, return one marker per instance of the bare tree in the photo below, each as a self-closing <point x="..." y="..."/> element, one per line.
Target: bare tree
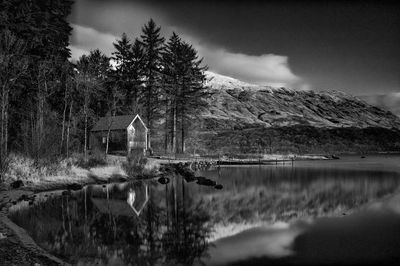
<point x="114" y="102"/>
<point x="91" y="75"/>
<point x="13" y="66"/>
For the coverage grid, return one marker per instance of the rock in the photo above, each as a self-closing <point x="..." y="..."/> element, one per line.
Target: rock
<point x="218" y="186"/>
<point x="190" y="179"/>
<point x="17" y="184"/>
<point x="74" y="186"/>
<point x="23" y="197"/>
<point x="163" y="180"/>
<point x="205" y="181"/>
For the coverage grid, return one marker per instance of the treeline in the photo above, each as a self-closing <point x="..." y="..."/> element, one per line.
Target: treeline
<point x="300" y="140"/>
<point x="49" y="104"/>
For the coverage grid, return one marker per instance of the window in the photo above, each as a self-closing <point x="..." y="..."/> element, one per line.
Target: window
<point x="104" y="140"/>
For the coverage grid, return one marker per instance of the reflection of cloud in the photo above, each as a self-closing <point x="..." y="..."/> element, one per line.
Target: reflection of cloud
<point x="273" y="241"/>
<point x="392" y="203"/>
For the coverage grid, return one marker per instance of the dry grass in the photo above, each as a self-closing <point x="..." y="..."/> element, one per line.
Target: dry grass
<point x="49" y="175"/>
<point x="27" y="169"/>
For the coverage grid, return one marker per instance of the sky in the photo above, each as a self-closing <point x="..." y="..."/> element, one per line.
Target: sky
<point x="352" y="46"/>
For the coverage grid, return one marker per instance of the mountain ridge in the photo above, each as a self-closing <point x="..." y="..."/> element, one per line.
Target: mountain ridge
<point x="244" y="118"/>
<point x="237" y="104"/>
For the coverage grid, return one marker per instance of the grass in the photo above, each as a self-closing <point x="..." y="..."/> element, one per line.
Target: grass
<point x="57" y="173"/>
<point x="46" y="174"/>
<point x="96" y="158"/>
<point x="26" y="169"/>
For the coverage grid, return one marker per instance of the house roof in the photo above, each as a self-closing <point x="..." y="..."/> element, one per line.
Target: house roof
<point x="117" y="122"/>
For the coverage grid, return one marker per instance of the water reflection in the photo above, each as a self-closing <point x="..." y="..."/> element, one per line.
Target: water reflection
<point x="268" y="213"/>
<point x="127" y="224"/>
<point x="368" y="237"/>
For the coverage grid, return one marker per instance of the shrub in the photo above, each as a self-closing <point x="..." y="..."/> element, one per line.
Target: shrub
<point x="138" y="165"/>
<point x="96" y="158"/>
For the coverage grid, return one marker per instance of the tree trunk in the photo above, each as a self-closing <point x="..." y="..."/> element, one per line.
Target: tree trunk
<point x="108" y="139"/>
<point x="108" y="133"/>
<point x="113" y="112"/>
<point x="40" y="123"/>
<point x="86" y="122"/>
<point x="183" y="132"/>
<point x="85" y="142"/>
<point x="173" y="135"/>
<point x="68" y="128"/>
<point x="3" y="110"/>
<point x="148" y="116"/>
<point x="63" y="121"/>
<point x="166" y="129"/>
<point x="6" y="126"/>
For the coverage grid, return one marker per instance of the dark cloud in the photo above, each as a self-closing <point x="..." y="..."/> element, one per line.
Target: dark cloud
<point x="345" y="45"/>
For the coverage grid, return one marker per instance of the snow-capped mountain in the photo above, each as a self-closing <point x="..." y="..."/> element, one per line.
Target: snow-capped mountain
<point x="248" y="118"/>
<point x="240" y="104"/>
<point x="218" y="81"/>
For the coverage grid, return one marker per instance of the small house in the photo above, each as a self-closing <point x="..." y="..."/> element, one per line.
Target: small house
<point x="126" y="133"/>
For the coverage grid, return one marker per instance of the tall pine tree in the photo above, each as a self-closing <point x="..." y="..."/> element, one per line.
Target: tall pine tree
<point x="152" y="44"/>
<point x="183" y="79"/>
<point x="127" y="75"/>
<point x="171" y="72"/>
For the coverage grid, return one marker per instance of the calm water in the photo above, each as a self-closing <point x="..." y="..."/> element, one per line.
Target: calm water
<point x="343" y="211"/>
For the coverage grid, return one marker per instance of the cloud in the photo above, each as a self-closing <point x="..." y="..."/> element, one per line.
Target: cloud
<point x="85" y="39"/>
<point x="265" y="69"/>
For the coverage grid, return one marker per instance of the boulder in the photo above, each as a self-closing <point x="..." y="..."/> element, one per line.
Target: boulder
<point x="74" y="186"/>
<point x="218" y="186"/>
<point x="17" y="184"/>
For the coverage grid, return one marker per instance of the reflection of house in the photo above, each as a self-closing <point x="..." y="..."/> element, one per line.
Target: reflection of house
<point x="133" y="205"/>
<point x="113" y="206"/>
<point x="127" y="133"/>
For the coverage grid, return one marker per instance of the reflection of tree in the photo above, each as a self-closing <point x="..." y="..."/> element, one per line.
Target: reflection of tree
<point x="185" y="240"/>
<point x="169" y="230"/>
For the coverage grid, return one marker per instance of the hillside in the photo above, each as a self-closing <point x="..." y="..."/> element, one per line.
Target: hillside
<point x="236" y="104"/>
<point x="248" y="118"/>
<point x="389" y="101"/>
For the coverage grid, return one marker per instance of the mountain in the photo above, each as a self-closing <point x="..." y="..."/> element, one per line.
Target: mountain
<point x="249" y="118"/>
<point x="239" y="104"/>
<point x="389" y="101"/>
